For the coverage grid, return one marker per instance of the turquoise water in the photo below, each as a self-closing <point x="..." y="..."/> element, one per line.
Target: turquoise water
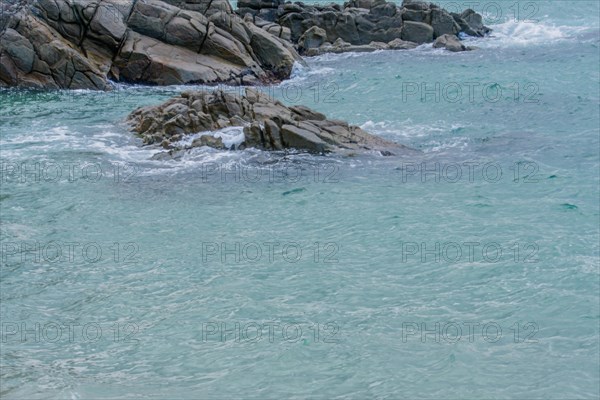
<point x="187" y="247"/>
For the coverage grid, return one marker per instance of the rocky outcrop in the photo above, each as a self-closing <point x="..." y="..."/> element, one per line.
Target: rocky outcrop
<point x="339" y="46"/>
<point x="82" y="43"/>
<point x="366" y="24"/>
<point x="451" y="43"/>
<point x="268" y="124"/>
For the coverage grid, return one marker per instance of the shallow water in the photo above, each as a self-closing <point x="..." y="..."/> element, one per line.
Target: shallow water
<point x="490" y="231"/>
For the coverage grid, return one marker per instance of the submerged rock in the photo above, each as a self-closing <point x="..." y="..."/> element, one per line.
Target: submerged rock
<point x="80" y="44"/>
<point x="364" y="25"/>
<point x="268" y="124"/>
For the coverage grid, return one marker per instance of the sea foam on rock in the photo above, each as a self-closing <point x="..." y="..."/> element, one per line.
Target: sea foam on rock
<point x="268" y="124"/>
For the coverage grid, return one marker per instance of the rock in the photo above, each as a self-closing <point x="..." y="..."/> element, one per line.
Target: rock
<point x="273" y="134"/>
<point x="299" y="138"/>
<point x="450" y="42"/>
<point x="475" y="22"/>
<point x="275" y="54"/>
<point x="168" y="155"/>
<point x="312" y="38"/>
<point x="417" y="32"/>
<point x="399" y="44"/>
<point x="341" y="46"/>
<point x="305" y="113"/>
<point x="210" y="141"/>
<point x="33" y="55"/>
<point x="443" y="23"/>
<point x="384" y="10"/>
<point x="81" y="44"/>
<point x="379" y="45"/>
<point x="253" y="136"/>
<point x="416" y="5"/>
<point x="471" y="23"/>
<point x="18" y="49"/>
<point x="365" y="4"/>
<point x="315" y="29"/>
<point x="415" y="15"/>
<point x="268" y="124"/>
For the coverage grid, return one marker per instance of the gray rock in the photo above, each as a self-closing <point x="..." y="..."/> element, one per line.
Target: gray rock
<point x="80" y="44"/>
<point x="451" y="43"/>
<point x="443" y="23"/>
<point x="471" y="23"/>
<point x="399" y="44"/>
<point x="416" y="4"/>
<point x="475" y="22"/>
<point x="268" y="124"/>
<point x="417" y="32"/>
<point x="19" y="49"/>
<point x="359" y="23"/>
<point x="210" y="141"/>
<point x="299" y="138"/>
<point x="312" y="38"/>
<point x="341" y="46"/>
<point x="34" y="55"/>
<point x="415" y="15"/>
<point x="273" y="134"/>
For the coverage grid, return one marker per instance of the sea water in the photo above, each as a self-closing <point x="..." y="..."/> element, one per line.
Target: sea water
<point x="467" y="268"/>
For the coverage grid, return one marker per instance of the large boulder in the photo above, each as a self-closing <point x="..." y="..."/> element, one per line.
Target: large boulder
<point x="34" y="55"/>
<point x="267" y="124"/>
<point x="451" y="43"/>
<point x="418" y="32"/>
<point x="471" y="23"/>
<point x="313" y="38"/>
<point x="81" y="44"/>
<point x="443" y="23"/>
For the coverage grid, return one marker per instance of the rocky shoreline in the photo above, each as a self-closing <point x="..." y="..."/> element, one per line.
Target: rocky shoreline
<point x="361" y="25"/>
<point x="86" y="44"/>
<point x="82" y="44"/>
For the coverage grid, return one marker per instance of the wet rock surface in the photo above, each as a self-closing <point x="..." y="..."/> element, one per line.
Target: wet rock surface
<point x="367" y="25"/>
<point x="267" y="124"/>
<point x="451" y="43"/>
<point x="80" y="44"/>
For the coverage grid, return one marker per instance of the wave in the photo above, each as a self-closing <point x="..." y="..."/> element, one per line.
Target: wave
<point x="433" y="137"/>
<point x="523" y="33"/>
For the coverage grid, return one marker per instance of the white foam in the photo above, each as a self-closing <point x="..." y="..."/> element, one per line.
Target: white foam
<point x="300" y="73"/>
<point x="435" y="136"/>
<point x="525" y="33"/>
<point x="231" y="136"/>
